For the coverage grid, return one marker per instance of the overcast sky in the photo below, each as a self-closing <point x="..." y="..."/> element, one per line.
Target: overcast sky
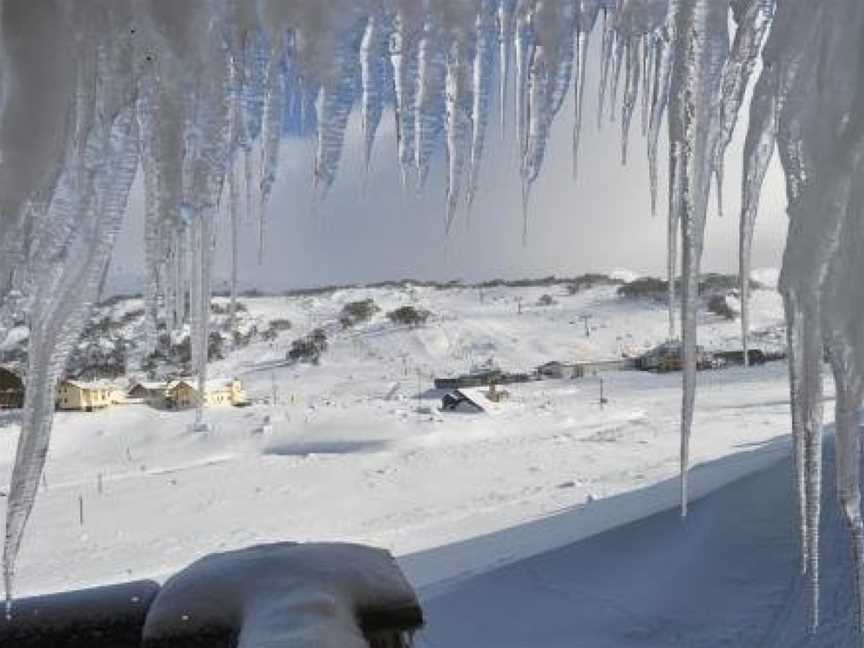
<point x="600" y="222"/>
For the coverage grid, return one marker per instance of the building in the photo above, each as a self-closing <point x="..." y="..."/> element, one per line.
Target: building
<point x="755" y="356"/>
<point x="560" y="370"/>
<point x="86" y="397"/>
<point x="570" y="371"/>
<point x="183" y="394"/>
<point x="483" y="379"/>
<point x="669" y="357"/>
<point x="151" y="393"/>
<point x="458" y="401"/>
<point x="11" y="390"/>
<point x="592" y="367"/>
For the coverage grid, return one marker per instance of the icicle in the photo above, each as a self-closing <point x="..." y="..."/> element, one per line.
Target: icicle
<point x="505" y="40"/>
<point x="758" y="149"/>
<point x="618" y="55"/>
<point x="200" y="301"/>
<point x="459" y="108"/>
<point x="251" y="202"/>
<point x="659" y="98"/>
<point x="236" y="141"/>
<point x="672" y="233"/>
<point x="631" y="91"/>
<point x="549" y="77"/>
<point x="338" y="90"/>
<point x="845" y="350"/>
<point x="752" y="20"/>
<point x="70" y="249"/>
<point x="404" y="56"/>
<point x="701" y="43"/>
<point x="372" y="51"/>
<point x="524" y="55"/>
<point x="234" y="216"/>
<point x="585" y="20"/>
<point x="482" y="80"/>
<point x="648" y="51"/>
<point x="430" y="109"/>
<point x="606" y="55"/>
<point x="154" y="252"/>
<point x="271" y="135"/>
<point x="814" y="237"/>
<point x="662" y="74"/>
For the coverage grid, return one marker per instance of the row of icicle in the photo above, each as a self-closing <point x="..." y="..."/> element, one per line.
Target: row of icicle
<point x="199" y="95"/>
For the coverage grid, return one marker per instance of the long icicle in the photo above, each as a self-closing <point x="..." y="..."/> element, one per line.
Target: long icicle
<point x="701" y="44"/>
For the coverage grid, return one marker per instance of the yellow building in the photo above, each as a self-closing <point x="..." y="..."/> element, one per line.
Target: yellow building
<point x="182" y="394"/>
<point x="85" y="397"/>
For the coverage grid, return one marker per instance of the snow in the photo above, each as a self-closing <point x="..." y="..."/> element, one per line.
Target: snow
<point x="341" y="462"/>
<point x="727" y="576"/>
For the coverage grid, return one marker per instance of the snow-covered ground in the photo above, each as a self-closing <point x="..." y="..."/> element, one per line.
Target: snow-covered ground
<point x="727" y="576"/>
<point x="352" y="452"/>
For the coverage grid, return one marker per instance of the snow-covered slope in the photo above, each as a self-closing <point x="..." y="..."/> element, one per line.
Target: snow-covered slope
<point x="471" y="326"/>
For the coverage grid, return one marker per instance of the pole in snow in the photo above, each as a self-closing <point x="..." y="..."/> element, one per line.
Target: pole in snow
<point x="585" y="319"/>
<point x="81" y="509"/>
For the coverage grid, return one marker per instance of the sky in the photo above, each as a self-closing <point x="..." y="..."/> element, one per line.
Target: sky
<point x="368" y="229"/>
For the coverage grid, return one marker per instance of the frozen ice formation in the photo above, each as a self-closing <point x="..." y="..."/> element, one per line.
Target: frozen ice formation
<point x="198" y="94"/>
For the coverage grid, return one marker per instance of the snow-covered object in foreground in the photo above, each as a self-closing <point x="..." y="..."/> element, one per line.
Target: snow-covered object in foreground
<point x="304" y="596"/>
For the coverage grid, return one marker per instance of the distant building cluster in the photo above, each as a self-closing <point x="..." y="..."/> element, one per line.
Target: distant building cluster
<point x="172" y="395"/>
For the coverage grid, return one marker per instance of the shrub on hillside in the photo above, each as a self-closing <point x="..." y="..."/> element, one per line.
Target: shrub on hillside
<point x="309" y="348"/>
<point x="546" y="300"/>
<point x="719" y="305"/>
<point x="644" y="288"/>
<point x="215" y="347"/>
<point x="225" y="309"/>
<point x="709" y="285"/>
<point x="358" y="312"/>
<point x="713" y="282"/>
<point x="591" y="280"/>
<point x="280" y="324"/>
<point x="409" y="315"/>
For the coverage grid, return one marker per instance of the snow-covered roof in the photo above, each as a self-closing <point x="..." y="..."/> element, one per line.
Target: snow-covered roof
<point x="150" y="386"/>
<point x="90" y="385"/>
<point x="214" y="384"/>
